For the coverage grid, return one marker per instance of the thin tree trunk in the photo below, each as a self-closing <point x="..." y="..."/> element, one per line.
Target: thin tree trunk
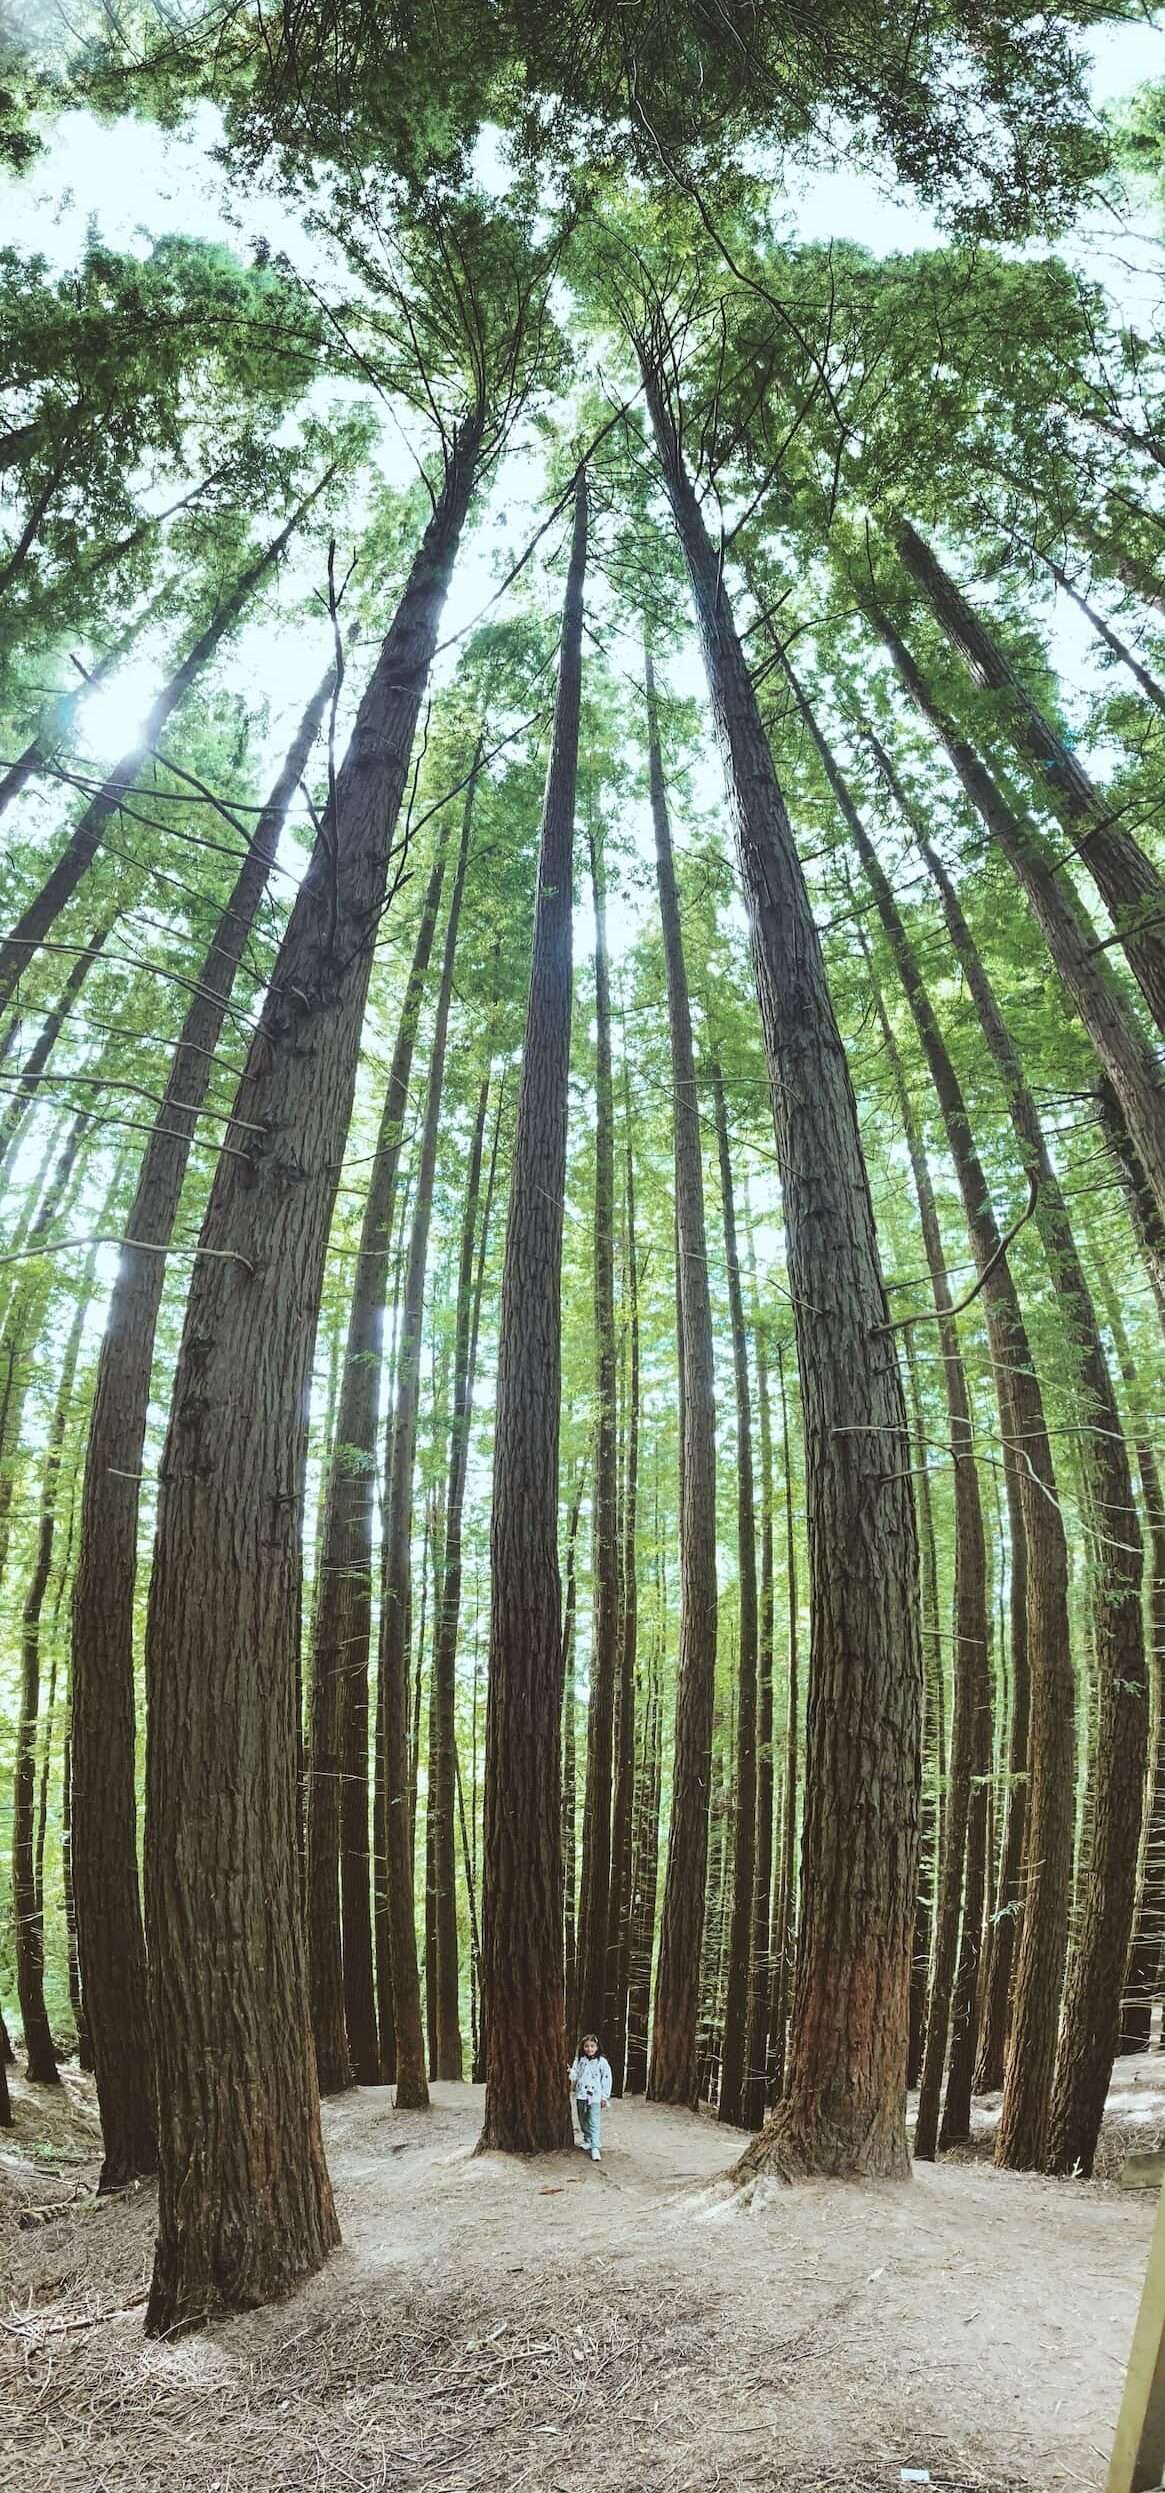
<point x="1143" y="1973"/>
<point x="756" y="2049"/>
<point x="45" y="907"/>
<point x="412" y="2091"/>
<point x="1146" y="1216"/>
<point x="932" y="1817"/>
<point x="785" y="1915"/>
<point x="447" y="2054"/>
<point x="645" y="1876"/>
<point x="733" y="2058"/>
<point x="27" y="1915"/>
<point x="619" y="1920"/>
<point x="23" y="1099"/>
<point x="595" y="1898"/>
<point x="527" y="2108"/>
<point x="671" y="2076"/>
<point x="569" y="1766"/>
<point x="1124" y="1056"/>
<point x="1126" y="879"/>
<point x="245" y="2206"/>
<point x="105" y="1861"/>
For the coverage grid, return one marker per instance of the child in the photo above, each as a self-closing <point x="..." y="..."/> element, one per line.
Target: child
<point x="590" y="2079"/>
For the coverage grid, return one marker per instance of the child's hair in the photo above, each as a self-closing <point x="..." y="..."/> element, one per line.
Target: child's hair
<point x="589" y="2038"/>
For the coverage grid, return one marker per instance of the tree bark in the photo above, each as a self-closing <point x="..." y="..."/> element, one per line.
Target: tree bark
<point x="447" y="2056"/>
<point x="24" y="1098"/>
<point x="1091" y="2014"/>
<point x="756" y="2046"/>
<point x="671" y="2076"/>
<point x="104" y="1729"/>
<point x="733" y="2063"/>
<point x="845" y="2105"/>
<point x="245" y="2206"/>
<point x="569" y="1766"/>
<point x="412" y="2091"/>
<point x="785" y="1868"/>
<point x="527" y="2108"/>
<point x="619" y="1919"/>
<point x="595" y="1898"/>
<point x="1126" y="879"/>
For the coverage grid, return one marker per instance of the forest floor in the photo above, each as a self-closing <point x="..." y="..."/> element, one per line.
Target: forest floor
<point x="496" y="2323"/>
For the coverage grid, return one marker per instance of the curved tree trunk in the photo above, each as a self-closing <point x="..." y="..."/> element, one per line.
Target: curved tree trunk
<point x="671" y="2076"/>
<point x="1126" y="879"/>
<point x="104" y="1729"/>
<point x="1124" y="1056"/>
<point x="245" y="2206"/>
<point x="737" y="1991"/>
<point x="527" y="2107"/>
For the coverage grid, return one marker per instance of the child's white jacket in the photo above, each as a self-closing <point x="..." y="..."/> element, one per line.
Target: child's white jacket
<point x="591" y="2079"/>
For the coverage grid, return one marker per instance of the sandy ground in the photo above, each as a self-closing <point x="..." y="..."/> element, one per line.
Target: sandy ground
<point x="495" y="2323"/>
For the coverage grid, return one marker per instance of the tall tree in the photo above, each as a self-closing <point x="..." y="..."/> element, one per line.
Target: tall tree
<point x="595" y="1897"/>
<point x="733" y="2062"/>
<point x="671" y="2076"/>
<point x="527" y="2109"/>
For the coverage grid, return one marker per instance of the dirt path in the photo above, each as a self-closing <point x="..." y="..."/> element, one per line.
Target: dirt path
<point x="489" y="2323"/>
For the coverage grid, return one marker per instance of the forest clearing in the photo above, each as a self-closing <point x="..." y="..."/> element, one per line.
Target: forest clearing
<point x="498" y="2322"/>
<point x="582" y="1244"/>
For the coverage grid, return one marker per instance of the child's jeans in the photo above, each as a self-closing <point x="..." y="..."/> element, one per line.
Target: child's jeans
<point x="590" y="2117"/>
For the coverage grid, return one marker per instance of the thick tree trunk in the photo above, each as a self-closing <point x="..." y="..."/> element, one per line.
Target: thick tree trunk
<point x="105" y="1861"/>
<point x="1128" y="882"/>
<point x="27" y="1910"/>
<point x="733" y="2057"/>
<point x="619" y="1918"/>
<point x="245" y="2206"/>
<point x="412" y="2091"/>
<point x="1091" y="2017"/>
<point x="845" y="2104"/>
<point x="1124" y="1056"/>
<point x="527" y="2107"/>
<point x="595" y="1898"/>
<point x="1143" y="1973"/>
<point x="1146" y="1216"/>
<point x="672" y="2067"/>
<point x="932" y="1806"/>
<point x="447" y="2055"/>
<point x="45" y="907"/>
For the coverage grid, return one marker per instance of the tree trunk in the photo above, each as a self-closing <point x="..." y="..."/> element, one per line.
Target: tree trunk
<point x="24" y="1097"/>
<point x="1146" y="1218"/>
<point x="1127" y="881"/>
<point x="245" y="2206"/>
<point x="595" y="1899"/>
<point x="569" y="1767"/>
<point x="412" y="2091"/>
<point x="756" y="2047"/>
<point x="447" y="2056"/>
<point x="527" y="2108"/>
<point x="785" y="1868"/>
<point x="671" y="2076"/>
<point x="845" y="2105"/>
<point x="737" y="1991"/>
<point x="619" y="1920"/>
<point x="645" y="1870"/>
<point x="1143" y="1973"/>
<point x="1124" y="1056"/>
<point x="105" y="1862"/>
<point x="45" y="907"/>
<point x="1091" y="2016"/>
<point x="932" y="1806"/>
<point x="27" y="1912"/>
